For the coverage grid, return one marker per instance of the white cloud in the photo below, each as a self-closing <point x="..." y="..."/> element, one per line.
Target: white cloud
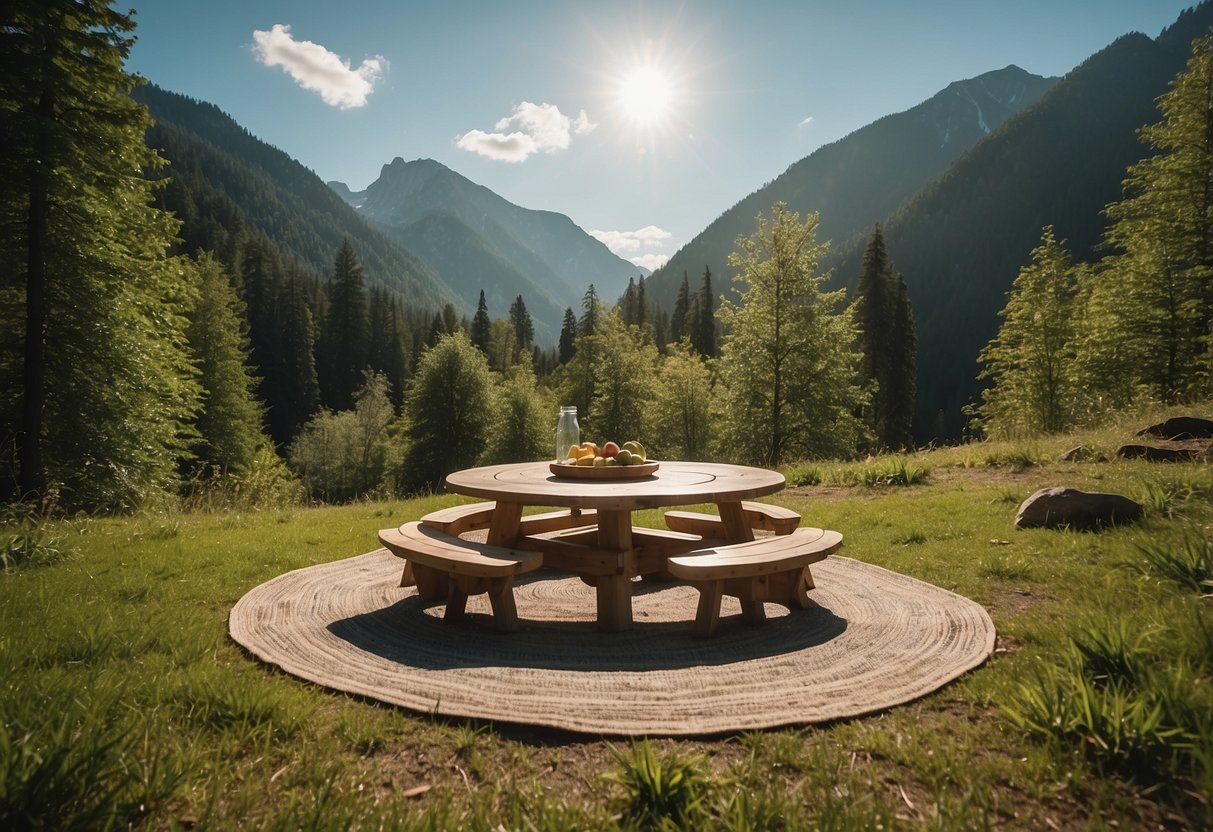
<point x="541" y="128"/>
<point x="622" y="241"/>
<point x="807" y="121"/>
<point x="652" y="262"/>
<point x="583" y="124"/>
<point x="317" y="69"/>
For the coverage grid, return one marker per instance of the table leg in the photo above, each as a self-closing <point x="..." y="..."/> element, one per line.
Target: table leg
<point x="736" y="529"/>
<point x="505" y="524"/>
<point x="615" y="591"/>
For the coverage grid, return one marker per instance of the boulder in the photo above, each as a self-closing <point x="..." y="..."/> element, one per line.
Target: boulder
<point x="1180" y="427"/>
<point x="1069" y="507"/>
<point x="1151" y="453"/>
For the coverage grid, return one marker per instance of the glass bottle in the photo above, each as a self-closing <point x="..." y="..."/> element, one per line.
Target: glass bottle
<point x="568" y="432"/>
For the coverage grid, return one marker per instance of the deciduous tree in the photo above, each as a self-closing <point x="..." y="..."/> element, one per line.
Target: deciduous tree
<point x="789" y="374"/>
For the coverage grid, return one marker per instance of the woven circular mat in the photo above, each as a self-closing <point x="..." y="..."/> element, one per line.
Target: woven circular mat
<point x="874" y="639"/>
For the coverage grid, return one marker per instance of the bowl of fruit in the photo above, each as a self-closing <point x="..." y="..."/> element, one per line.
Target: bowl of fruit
<point x="610" y="461"/>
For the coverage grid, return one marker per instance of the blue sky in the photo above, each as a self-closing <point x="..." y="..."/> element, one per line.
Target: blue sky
<point x="642" y="121"/>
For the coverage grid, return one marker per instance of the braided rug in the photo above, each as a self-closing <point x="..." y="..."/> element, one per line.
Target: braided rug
<point x="875" y="639"/>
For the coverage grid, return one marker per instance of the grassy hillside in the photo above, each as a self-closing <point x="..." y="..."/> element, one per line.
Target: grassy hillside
<point x="125" y="701"/>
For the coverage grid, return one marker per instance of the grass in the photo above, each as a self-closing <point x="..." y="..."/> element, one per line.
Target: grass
<point x="124" y="704"/>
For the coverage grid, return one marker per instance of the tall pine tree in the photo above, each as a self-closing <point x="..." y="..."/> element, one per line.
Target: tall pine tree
<point x="889" y="346"/>
<point x="229" y="421"/>
<point x="568" y="336"/>
<point x="682" y="307"/>
<point x="482" y="326"/>
<point x="1162" y="233"/>
<point x="96" y="386"/>
<point x="346" y="337"/>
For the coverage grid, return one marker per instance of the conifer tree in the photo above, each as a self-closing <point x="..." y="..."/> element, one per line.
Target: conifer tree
<point x="790" y="378"/>
<point x="1029" y="360"/>
<point x="448" y="412"/>
<point x="624" y="367"/>
<point x="703" y="336"/>
<point x="568" y="336"/>
<point x="524" y="328"/>
<point x="1162" y="233"/>
<point x="96" y="388"/>
<point x="888" y="345"/>
<point x="682" y="307"/>
<point x="229" y="420"/>
<point x="481" y="326"/>
<point x="345" y="337"/>
<point x="591" y="312"/>
<point x="296" y="389"/>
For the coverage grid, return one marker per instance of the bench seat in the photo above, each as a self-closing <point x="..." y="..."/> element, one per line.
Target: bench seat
<point x="457" y="520"/>
<point x="445" y="566"/>
<point x="758" y="516"/>
<point x="774" y="569"/>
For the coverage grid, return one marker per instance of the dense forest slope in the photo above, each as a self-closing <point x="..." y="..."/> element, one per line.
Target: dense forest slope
<point x="475" y="239"/>
<point x="225" y="182"/>
<point x="863" y="178"/>
<point x="961" y="241"/>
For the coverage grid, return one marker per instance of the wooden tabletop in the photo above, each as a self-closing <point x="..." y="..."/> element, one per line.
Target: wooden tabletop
<point x="673" y="484"/>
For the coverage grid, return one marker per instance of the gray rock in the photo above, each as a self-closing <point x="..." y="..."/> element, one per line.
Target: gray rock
<point x="1180" y="427"/>
<point x="1152" y="454"/>
<point x="1069" y="507"/>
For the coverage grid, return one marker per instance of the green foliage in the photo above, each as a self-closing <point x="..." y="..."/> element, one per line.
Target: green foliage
<point x="448" y="408"/>
<point x="790" y="383"/>
<point x="341" y="456"/>
<point x="345" y="338"/>
<point x="625" y="367"/>
<point x="101" y="398"/>
<point x="521" y="425"/>
<point x="266" y="483"/>
<point x="229" y="420"/>
<point x="1162" y="236"/>
<point x="30" y="537"/>
<point x="1188" y="560"/>
<point x="1029" y="361"/>
<point x="889" y="346"/>
<point x="682" y="426"/>
<point x="660" y="790"/>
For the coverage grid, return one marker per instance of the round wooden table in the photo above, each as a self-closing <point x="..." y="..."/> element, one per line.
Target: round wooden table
<point x="513" y="487"/>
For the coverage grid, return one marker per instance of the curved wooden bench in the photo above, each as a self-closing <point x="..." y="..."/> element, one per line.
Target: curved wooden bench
<point x="458" y="520"/>
<point x="450" y="567"/>
<point x="772" y="569"/>
<point x="758" y="516"/>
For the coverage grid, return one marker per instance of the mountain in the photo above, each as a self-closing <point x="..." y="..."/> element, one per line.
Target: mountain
<point x="859" y="180"/>
<point x="224" y="180"/>
<point x="475" y="239"/>
<point x="961" y="241"/>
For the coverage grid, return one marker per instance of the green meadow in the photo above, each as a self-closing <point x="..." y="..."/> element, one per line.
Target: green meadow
<point x="126" y="705"/>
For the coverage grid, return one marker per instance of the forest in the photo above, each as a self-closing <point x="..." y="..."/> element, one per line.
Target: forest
<point x="160" y="349"/>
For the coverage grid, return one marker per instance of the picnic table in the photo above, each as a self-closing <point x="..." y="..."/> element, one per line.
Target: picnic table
<point x="596" y="540"/>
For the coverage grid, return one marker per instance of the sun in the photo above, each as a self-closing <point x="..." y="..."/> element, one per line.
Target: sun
<point x="646" y="94"/>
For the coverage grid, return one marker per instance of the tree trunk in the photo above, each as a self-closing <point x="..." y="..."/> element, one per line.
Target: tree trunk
<point x="31" y="477"/>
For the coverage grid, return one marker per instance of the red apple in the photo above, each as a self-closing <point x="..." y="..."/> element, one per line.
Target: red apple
<point x="610" y="449"/>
